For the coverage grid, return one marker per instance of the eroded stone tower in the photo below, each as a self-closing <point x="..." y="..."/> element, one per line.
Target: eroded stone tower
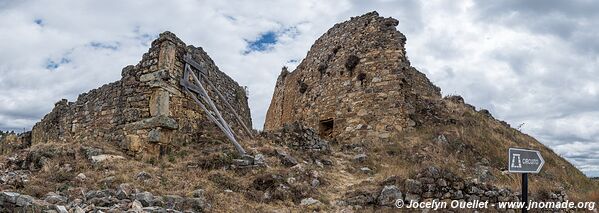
<point x="356" y="83"/>
<point x="146" y="111"/>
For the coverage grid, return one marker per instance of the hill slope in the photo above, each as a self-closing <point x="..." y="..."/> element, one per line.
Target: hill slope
<point x="350" y="131"/>
<point x="356" y="87"/>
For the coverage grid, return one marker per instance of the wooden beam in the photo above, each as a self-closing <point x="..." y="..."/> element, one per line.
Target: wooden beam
<point x="195" y="65"/>
<point x="240" y="121"/>
<point x="194" y="88"/>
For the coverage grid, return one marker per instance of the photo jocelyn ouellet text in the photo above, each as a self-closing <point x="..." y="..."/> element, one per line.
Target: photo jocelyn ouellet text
<point x="476" y="204"/>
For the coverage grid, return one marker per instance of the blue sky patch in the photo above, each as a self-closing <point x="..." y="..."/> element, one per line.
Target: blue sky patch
<point x="39" y="22"/>
<point x="263" y="43"/>
<point x="144" y="38"/>
<point x="292" y="32"/>
<point x="100" y="45"/>
<point x="52" y="64"/>
<point x="230" y="18"/>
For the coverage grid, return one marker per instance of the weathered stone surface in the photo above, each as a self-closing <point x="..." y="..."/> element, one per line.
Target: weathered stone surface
<point x="153" y="122"/>
<point x="309" y="201"/>
<point x="146" y="198"/>
<point x="412" y="197"/>
<point x="61" y="209"/>
<point x="102" y="158"/>
<point x="9" y="197"/>
<point x="197" y="204"/>
<point x="142" y="176"/>
<point x="413" y="186"/>
<point x="136" y="206"/>
<point x="155" y="76"/>
<point x="360" y="158"/>
<point x="154" y="135"/>
<point x="24" y="200"/>
<point x="11" y="142"/>
<point x="153" y="209"/>
<point x="105" y="201"/>
<point x="148" y="114"/>
<point x="78" y="209"/>
<point x="299" y="137"/>
<point x="198" y="193"/>
<point x="173" y="202"/>
<point x="159" y="103"/>
<point x="366" y="170"/>
<point x="356" y="63"/>
<point x="434" y="183"/>
<point x="15" y="202"/>
<point x="81" y="177"/>
<point x="124" y="191"/>
<point x="16" y="178"/>
<point x="441" y="182"/>
<point x="285" y="158"/>
<point x="360" y="200"/>
<point x="54" y="198"/>
<point x="133" y="143"/>
<point x="101" y="201"/>
<point x="389" y="195"/>
<point x="145" y="110"/>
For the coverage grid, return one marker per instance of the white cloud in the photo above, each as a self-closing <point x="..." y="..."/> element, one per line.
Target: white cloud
<point x="526" y="62"/>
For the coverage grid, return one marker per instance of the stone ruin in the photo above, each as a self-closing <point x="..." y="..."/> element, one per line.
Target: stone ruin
<point x="355" y="87"/>
<point x="147" y="112"/>
<point x="355" y="83"/>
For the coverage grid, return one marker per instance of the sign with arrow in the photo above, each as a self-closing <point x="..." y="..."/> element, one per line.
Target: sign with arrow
<point x="525" y="161"/>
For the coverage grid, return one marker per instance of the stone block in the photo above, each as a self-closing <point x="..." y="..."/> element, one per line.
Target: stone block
<point x="149" y="123"/>
<point x="155" y="76"/>
<point x="160" y="103"/>
<point x="133" y="143"/>
<point x="154" y="135"/>
<point x="147" y="97"/>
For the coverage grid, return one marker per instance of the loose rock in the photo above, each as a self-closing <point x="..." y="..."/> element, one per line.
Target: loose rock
<point x="389" y="195"/>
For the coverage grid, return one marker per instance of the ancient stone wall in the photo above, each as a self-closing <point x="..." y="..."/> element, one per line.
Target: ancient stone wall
<point x="146" y="111"/>
<point x="11" y="142"/>
<point x="355" y="83"/>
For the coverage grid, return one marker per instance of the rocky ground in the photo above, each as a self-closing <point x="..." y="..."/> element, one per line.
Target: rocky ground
<point x="296" y="171"/>
<point x="442" y="149"/>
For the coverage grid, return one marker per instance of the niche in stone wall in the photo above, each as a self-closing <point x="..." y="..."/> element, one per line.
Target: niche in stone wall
<point x="326" y="128"/>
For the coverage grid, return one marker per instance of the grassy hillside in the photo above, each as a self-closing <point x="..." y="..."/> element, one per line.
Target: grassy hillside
<point x="475" y="145"/>
<point x="472" y="145"/>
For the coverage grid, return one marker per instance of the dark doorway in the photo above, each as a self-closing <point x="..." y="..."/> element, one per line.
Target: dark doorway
<point x="326" y="128"/>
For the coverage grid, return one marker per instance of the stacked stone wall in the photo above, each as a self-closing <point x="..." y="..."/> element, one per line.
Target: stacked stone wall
<point x="146" y="111"/>
<point x="355" y="83"/>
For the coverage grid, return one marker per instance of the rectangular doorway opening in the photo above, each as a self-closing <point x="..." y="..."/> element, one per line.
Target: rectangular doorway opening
<point x="326" y="128"/>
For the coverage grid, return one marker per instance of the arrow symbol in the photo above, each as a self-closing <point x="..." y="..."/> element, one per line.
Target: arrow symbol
<point x="525" y="161"/>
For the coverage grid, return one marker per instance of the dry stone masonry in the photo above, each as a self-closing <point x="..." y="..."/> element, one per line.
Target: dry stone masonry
<point x="125" y="198"/>
<point x="146" y="111"/>
<point x="355" y="83"/>
<point x="353" y="128"/>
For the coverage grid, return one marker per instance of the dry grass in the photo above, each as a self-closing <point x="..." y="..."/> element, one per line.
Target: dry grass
<point x="196" y="166"/>
<point x="206" y="164"/>
<point x="476" y="139"/>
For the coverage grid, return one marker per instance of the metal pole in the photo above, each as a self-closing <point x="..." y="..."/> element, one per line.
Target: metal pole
<point x="525" y="192"/>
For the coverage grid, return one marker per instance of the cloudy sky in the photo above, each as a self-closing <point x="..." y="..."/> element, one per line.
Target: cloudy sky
<point x="529" y="62"/>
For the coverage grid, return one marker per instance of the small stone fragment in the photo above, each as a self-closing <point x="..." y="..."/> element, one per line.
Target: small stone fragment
<point x="309" y="201"/>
